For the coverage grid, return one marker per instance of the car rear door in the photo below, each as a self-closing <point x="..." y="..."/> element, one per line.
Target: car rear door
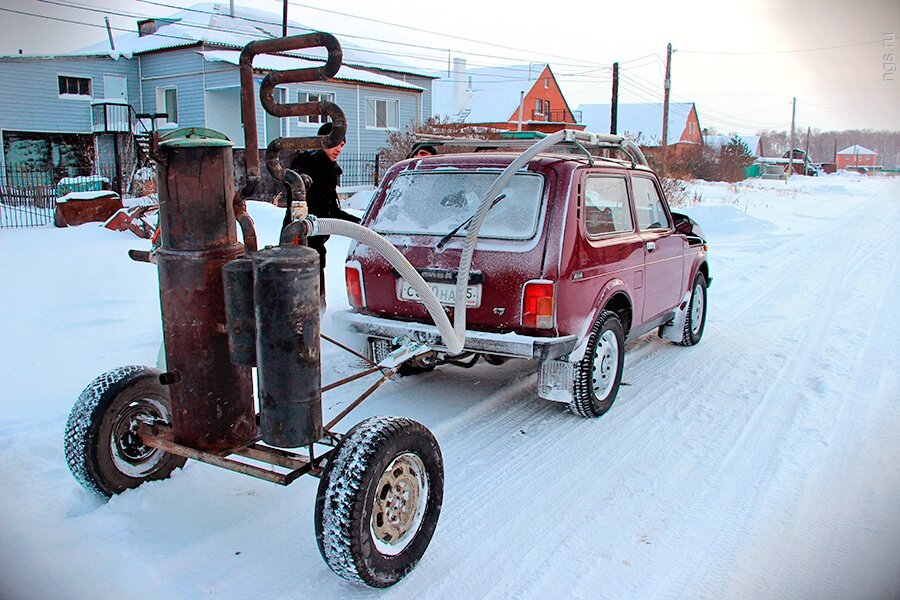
<point x="663" y="251"/>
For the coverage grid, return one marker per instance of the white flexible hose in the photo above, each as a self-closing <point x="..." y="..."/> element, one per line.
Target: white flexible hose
<point x="366" y="236"/>
<point x="454" y="336"/>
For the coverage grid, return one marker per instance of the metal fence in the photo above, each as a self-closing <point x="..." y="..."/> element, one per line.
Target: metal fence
<point x="28" y="196"/>
<point x="359" y="169"/>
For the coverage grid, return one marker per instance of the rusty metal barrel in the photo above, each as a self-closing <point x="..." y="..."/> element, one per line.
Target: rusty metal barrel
<point x="212" y="398"/>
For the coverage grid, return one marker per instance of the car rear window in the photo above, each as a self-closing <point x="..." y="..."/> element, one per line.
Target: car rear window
<point x="434" y="202"/>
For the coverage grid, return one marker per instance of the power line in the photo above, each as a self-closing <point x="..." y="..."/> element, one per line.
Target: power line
<point x="768" y="52"/>
<point x="428" y="31"/>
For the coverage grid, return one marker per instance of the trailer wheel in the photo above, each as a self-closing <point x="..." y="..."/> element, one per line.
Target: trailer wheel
<point x="379" y="500"/>
<point x="102" y="447"/>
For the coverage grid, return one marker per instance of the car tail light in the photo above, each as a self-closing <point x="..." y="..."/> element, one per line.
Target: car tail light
<point x="538" y="305"/>
<point x="355" y="291"/>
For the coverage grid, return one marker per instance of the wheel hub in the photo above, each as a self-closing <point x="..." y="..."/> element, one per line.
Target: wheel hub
<point x="605" y="364"/>
<point x="399" y="503"/>
<point x="696" y="310"/>
<point x="129" y="453"/>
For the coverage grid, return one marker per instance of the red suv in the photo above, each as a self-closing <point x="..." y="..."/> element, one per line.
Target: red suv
<point x="578" y="255"/>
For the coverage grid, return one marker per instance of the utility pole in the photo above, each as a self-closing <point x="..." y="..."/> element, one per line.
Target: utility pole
<point x="791" y="149"/>
<point x="614" y="109"/>
<point x="667" y="84"/>
<point x="807" y="142"/>
<point x="284" y="20"/>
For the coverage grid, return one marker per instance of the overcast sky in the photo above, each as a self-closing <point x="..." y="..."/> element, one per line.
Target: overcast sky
<point x="740" y="62"/>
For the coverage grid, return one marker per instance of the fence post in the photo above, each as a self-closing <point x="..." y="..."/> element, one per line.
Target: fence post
<point x="377" y="169"/>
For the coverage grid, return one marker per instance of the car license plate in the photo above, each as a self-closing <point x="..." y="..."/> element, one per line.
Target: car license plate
<point x="445" y="293"/>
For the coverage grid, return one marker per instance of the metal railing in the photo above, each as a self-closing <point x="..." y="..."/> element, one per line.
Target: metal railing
<point x="119" y="117"/>
<point x="556" y="116"/>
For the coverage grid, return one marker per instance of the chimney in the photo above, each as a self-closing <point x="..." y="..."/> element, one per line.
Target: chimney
<point x="147" y="27"/>
<point x="460" y="85"/>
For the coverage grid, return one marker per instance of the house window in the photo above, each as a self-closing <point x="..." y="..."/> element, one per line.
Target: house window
<point x="74" y="86"/>
<point x="167" y="102"/>
<point x="307" y="97"/>
<point x="382" y="114"/>
<point x="546" y="83"/>
<point x="547" y="108"/>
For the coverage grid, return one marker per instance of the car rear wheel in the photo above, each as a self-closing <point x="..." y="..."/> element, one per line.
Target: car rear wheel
<point x="695" y="320"/>
<point x="599" y="373"/>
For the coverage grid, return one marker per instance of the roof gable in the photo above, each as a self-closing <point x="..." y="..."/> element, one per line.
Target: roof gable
<point x="856" y="149"/>
<point x="492" y="93"/>
<point x="642" y="121"/>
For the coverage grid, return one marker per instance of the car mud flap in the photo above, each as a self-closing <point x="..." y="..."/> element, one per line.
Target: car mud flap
<point x="674" y="329"/>
<point x="555" y="379"/>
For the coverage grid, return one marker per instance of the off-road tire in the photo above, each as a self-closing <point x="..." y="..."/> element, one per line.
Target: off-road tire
<point x="356" y="476"/>
<point x="599" y="373"/>
<point x="695" y="320"/>
<point x="101" y="449"/>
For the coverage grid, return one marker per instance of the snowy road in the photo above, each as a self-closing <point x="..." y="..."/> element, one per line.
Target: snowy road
<point x="762" y="463"/>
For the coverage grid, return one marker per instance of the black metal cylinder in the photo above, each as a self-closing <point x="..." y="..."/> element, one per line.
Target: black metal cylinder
<point x="212" y="399"/>
<point x="286" y="296"/>
<point x="239" y="311"/>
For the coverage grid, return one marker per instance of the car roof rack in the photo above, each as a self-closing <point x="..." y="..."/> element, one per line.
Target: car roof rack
<point x="571" y="139"/>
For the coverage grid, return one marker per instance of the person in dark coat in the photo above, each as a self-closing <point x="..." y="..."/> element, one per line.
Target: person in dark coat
<point x="321" y="196"/>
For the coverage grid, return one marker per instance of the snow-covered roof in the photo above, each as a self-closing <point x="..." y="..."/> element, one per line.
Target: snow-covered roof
<point x="212" y="24"/>
<point x="492" y="94"/>
<point x="856" y="150"/>
<point x="717" y="141"/>
<point x="268" y="62"/>
<point x="642" y="121"/>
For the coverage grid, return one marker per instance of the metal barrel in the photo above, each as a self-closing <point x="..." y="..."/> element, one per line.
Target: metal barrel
<point x="286" y="296"/>
<point x="239" y="311"/>
<point x="212" y="398"/>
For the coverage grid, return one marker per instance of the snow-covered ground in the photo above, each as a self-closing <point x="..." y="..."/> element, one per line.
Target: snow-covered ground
<point x="762" y="463"/>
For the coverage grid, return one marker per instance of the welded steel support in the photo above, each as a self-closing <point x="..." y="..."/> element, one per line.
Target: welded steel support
<point x="212" y="398"/>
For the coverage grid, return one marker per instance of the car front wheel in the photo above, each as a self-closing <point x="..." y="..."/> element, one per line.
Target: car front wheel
<point x="695" y="320"/>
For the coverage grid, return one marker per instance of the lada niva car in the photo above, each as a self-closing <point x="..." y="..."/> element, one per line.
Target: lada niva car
<point x="578" y="255"/>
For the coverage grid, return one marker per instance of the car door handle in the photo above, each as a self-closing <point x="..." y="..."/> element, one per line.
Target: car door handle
<point x="651" y="246"/>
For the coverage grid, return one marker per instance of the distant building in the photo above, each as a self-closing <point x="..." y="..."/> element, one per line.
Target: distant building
<point x="856" y="157"/>
<point x="183" y="70"/>
<point x="751" y="141"/>
<point x="643" y="122"/>
<point x="519" y="97"/>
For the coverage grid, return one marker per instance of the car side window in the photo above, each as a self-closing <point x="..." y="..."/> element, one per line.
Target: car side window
<point x="606" y="207"/>
<point x="648" y="205"/>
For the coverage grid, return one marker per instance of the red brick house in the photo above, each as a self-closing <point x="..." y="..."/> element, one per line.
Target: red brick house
<point x="857" y="157"/>
<point x="519" y="97"/>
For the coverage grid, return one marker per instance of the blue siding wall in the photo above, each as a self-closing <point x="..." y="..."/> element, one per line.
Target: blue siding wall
<point x="183" y="69"/>
<point x="29" y="92"/>
<point x="352" y="100"/>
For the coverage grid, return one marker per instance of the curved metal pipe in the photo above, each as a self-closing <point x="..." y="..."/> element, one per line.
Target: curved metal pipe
<point x="248" y="229"/>
<point x="248" y="105"/>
